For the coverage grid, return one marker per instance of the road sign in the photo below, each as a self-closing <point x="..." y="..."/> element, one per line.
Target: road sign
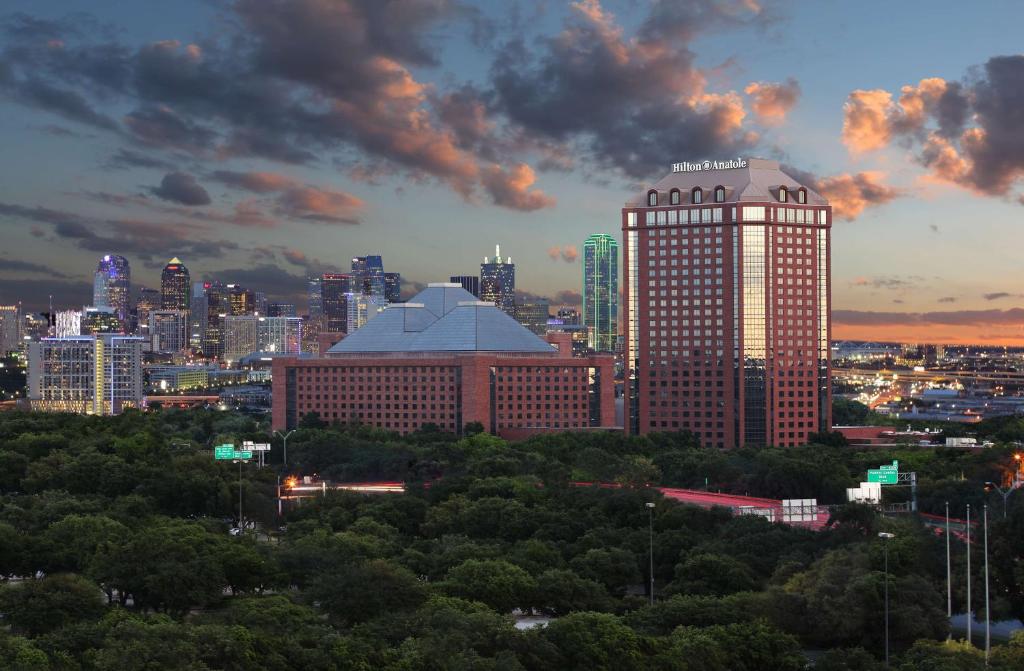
<point x="885" y="477"/>
<point x="243" y="454"/>
<point x="224" y="452"/>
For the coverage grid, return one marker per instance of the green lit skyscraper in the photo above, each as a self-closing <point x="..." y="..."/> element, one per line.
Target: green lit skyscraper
<point x="601" y="291"/>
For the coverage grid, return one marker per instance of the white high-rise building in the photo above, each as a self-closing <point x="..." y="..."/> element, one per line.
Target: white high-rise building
<point x="169" y="330"/>
<point x="246" y="334"/>
<point x="68" y="324"/>
<point x="94" y="375"/>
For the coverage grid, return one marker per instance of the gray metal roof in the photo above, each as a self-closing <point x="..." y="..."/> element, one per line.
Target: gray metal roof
<point x="443" y="318"/>
<point x="758" y="182"/>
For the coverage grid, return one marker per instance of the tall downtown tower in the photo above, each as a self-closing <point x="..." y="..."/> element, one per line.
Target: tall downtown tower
<point x="601" y="291"/>
<point x="111" y="286"/>
<point x="498" y="282"/>
<point x="727" y="305"/>
<point x="175" y="286"/>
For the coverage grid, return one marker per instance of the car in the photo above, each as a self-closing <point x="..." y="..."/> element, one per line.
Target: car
<point x="235" y="531"/>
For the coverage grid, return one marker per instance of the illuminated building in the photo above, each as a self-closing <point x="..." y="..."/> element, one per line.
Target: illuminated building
<point x="368" y="276"/>
<point x="112" y="285"/>
<point x="392" y="287"/>
<point x="242" y="300"/>
<point x="10" y="329"/>
<point x="316" y="305"/>
<point x="534" y="316"/>
<point x="148" y="301"/>
<point x="333" y="287"/>
<point x="470" y="283"/>
<point x="361" y="309"/>
<point x="727" y="306"/>
<point x="68" y="323"/>
<point x="175" y="286"/>
<point x="447" y="359"/>
<point x="498" y="282"/>
<point x="246" y="334"/>
<point x="96" y="320"/>
<point x="197" y="317"/>
<point x="281" y="310"/>
<point x="95" y="375"/>
<point x="218" y="306"/>
<point x="601" y="291"/>
<point x="168" y="330"/>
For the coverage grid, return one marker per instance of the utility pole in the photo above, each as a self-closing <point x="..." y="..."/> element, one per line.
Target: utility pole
<point x="241" y="523"/>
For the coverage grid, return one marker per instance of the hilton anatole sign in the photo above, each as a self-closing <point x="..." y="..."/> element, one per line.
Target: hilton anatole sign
<point x="709" y="165"/>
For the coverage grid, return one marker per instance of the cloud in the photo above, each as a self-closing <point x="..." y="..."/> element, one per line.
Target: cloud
<point x="997" y="295"/>
<point x="319" y="204"/>
<point x="1013" y="316"/>
<point x="965" y="133"/>
<point x="257" y="182"/>
<point x="567" y="253"/>
<point x="772" y="102"/>
<point x="179" y="187"/>
<point x="890" y="282"/>
<point x="849" y="194"/>
<point x="948" y="299"/>
<point x="511" y="188"/>
<point x="124" y="159"/>
<point x="568" y="297"/>
<point x="18" y="265"/>
<point x="35" y="293"/>
<point x="277" y="283"/>
<point x="632" y="103"/>
<point x="150" y="241"/>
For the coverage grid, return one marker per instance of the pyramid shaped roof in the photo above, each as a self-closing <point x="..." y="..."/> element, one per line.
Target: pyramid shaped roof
<point x="443" y="317"/>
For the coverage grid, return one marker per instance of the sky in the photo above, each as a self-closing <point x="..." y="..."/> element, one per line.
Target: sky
<point x="264" y="141"/>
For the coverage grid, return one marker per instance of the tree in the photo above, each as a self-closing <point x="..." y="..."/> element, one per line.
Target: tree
<point x="713" y="574"/>
<point x="39" y="606"/>
<point x="497" y="583"/>
<point x="360" y="592"/>
<point x="71" y="543"/>
<point x="614" y="568"/>
<point x="560" y="592"/>
<point x="594" y="641"/>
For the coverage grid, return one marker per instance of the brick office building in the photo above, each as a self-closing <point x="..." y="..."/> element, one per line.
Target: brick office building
<point x="448" y="359"/>
<point x="727" y="305"/>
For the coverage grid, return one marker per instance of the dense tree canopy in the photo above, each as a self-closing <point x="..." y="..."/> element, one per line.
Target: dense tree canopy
<point x="116" y="553"/>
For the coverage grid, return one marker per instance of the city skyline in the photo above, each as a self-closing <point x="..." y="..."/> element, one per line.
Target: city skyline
<point x="139" y="138"/>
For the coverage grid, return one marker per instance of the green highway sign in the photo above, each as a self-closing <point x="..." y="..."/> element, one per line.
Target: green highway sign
<point x="224" y="452"/>
<point x="886" y="474"/>
<point x="886" y="477"/>
<point x="245" y="454"/>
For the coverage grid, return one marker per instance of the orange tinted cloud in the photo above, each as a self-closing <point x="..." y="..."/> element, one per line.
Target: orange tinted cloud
<point x="865" y="120"/>
<point x="511" y="188"/>
<point x="850" y="194"/>
<point x="772" y="102"/>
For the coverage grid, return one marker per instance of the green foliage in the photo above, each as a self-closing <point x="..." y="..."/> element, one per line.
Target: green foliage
<point x="125" y="522"/>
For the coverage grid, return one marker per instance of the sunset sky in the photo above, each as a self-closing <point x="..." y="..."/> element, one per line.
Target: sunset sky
<point x="262" y="141"/>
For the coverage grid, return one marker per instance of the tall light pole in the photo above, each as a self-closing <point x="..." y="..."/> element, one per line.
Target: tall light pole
<point x="886" y="537"/>
<point x="970" y="615"/>
<point x="949" y="573"/>
<point x="284" y="438"/>
<point x="988" y="620"/>
<point x="650" y="530"/>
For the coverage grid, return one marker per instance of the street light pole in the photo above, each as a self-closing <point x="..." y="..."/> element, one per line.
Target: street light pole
<point x="885" y="545"/>
<point x="650" y="530"/>
<point x="241" y="523"/>
<point x="988" y="620"/>
<point x="949" y="574"/>
<point x="284" y="439"/>
<point x="970" y="614"/>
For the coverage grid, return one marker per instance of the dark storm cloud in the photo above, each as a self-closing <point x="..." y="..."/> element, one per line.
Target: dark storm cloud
<point x="34" y="294"/>
<point x="125" y="236"/>
<point x="966" y="133"/>
<point x="179" y="187"/>
<point x="634" y="104"/>
<point x="997" y="295"/>
<point x="278" y="284"/>
<point x="124" y="159"/>
<point x="17" y="265"/>
<point x="161" y="126"/>
<point x="65" y="103"/>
